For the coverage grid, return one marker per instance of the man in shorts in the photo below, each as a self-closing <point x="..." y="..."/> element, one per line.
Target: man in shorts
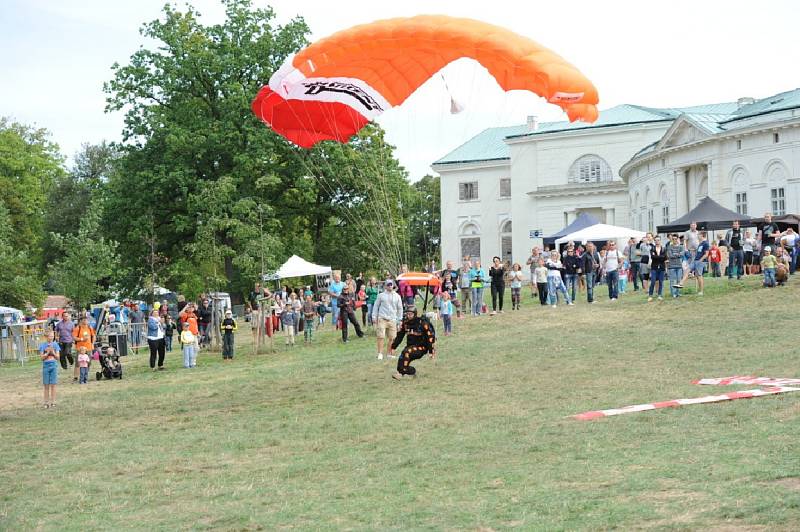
<point x="387" y="312"/>
<point x="697" y="264"/>
<point x="533" y="262"/>
<point x="691" y="239"/>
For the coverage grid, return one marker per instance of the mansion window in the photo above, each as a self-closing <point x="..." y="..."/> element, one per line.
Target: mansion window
<point x="776" y="138"/>
<point x="650" y="220"/>
<point x="505" y="188"/>
<point x="468" y="191"/>
<point x="589" y="169"/>
<point x="471" y="247"/>
<point x="778" y="198"/>
<point x="741" y="202"/>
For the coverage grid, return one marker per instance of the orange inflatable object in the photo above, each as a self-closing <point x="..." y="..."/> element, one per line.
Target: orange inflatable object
<point x="332" y="88"/>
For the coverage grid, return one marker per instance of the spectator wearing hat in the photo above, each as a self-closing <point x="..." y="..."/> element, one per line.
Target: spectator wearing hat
<point x="227" y="328"/>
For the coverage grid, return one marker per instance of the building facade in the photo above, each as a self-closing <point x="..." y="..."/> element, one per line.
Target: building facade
<point x="636" y="166"/>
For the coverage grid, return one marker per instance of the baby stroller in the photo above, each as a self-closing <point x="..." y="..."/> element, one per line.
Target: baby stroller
<point x="111" y="368"/>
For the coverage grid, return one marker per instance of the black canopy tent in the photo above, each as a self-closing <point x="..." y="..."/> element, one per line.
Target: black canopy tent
<point x="709" y="215"/>
<point x="581" y="222"/>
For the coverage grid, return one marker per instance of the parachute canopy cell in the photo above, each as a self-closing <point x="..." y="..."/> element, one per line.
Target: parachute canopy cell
<point x="332" y="88"/>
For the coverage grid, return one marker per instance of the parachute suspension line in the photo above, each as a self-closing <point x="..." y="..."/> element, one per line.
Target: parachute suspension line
<point x="324" y="176"/>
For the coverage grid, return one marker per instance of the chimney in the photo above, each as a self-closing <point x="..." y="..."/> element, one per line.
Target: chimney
<point x="533" y="123"/>
<point x="746" y="100"/>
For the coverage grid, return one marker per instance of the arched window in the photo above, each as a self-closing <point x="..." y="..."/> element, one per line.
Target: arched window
<point x="470" y="241"/>
<point x="590" y="169"/>
<point x="776" y="173"/>
<point x="664" y="198"/>
<point x="505" y="241"/>
<point x="740" y="184"/>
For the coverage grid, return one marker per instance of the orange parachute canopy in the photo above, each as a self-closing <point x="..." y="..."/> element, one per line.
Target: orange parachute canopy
<point x="332" y="88"/>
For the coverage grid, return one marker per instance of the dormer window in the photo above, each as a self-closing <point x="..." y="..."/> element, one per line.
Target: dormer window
<point x="589" y="169"/>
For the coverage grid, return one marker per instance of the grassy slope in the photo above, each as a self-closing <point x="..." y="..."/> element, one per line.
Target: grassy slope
<point x="321" y="437"/>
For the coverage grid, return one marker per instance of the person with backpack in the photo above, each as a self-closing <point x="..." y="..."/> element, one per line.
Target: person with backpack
<point x="421" y="341"/>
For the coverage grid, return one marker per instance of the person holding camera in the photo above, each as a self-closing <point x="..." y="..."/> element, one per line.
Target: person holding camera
<point x="50" y="353"/>
<point x="477" y="278"/>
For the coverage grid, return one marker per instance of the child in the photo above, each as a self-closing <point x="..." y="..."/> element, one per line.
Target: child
<point x="437" y="304"/>
<point x="623" y="276"/>
<point x="768" y="264"/>
<point x="289" y="323"/>
<point x="308" y="316"/>
<point x="446" y="311"/>
<point x="83" y="365"/>
<point x="540" y="272"/>
<point x="227" y="327"/>
<point x="715" y="258"/>
<point x="189" y="342"/>
<point x="169" y="330"/>
<point x="554" y="281"/>
<point x="516" y="277"/>
<point x="322" y="309"/>
<point x="50" y="353"/>
<point x="783" y="263"/>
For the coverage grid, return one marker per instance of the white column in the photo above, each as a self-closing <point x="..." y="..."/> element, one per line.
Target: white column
<point x="611" y="215"/>
<point x="681" y="196"/>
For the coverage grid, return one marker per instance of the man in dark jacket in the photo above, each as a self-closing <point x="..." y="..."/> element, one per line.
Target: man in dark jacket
<point x="346" y="303"/>
<point x="421" y="340"/>
<point x="572" y="271"/>
<point x="204" y="322"/>
<point x="589" y="262"/>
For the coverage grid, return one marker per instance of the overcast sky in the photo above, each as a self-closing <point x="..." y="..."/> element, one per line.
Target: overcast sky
<point x="56" y="55"/>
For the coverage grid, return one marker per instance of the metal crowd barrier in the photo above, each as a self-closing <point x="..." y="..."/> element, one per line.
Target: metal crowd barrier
<point x="20" y="342"/>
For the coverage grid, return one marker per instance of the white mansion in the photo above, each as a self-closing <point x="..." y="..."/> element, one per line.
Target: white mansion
<point x="636" y="166"/>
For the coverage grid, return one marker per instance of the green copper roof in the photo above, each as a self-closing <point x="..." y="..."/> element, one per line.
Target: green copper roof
<point x="490" y="145"/>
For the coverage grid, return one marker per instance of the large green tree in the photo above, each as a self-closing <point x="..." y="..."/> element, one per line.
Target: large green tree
<point x="195" y="156"/>
<point x="88" y="262"/>
<point x="29" y="164"/>
<point x="20" y="285"/>
<point x="73" y="192"/>
<point x="425" y="220"/>
<point x="215" y="193"/>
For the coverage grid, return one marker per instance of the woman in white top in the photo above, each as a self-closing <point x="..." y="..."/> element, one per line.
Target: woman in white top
<point x="515" y="277"/>
<point x="747" y="247"/>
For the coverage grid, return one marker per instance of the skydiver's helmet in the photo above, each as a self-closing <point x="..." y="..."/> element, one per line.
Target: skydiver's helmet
<point x="410" y="312"/>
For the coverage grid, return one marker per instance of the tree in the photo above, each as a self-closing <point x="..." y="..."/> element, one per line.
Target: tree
<point x="194" y="151"/>
<point x="20" y="285"/>
<point x="426" y="220"/>
<point x="73" y="192"/>
<point x="88" y="262"/>
<point x="29" y="164"/>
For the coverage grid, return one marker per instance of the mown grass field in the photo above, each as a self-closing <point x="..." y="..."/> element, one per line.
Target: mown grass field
<point x="322" y="438"/>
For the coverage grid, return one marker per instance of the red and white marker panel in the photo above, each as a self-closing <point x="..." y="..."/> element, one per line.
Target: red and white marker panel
<point x="761" y="381"/>
<point x="684" y="402"/>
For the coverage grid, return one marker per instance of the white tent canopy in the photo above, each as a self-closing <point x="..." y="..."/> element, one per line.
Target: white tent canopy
<point x="600" y="232"/>
<point x="299" y="267"/>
